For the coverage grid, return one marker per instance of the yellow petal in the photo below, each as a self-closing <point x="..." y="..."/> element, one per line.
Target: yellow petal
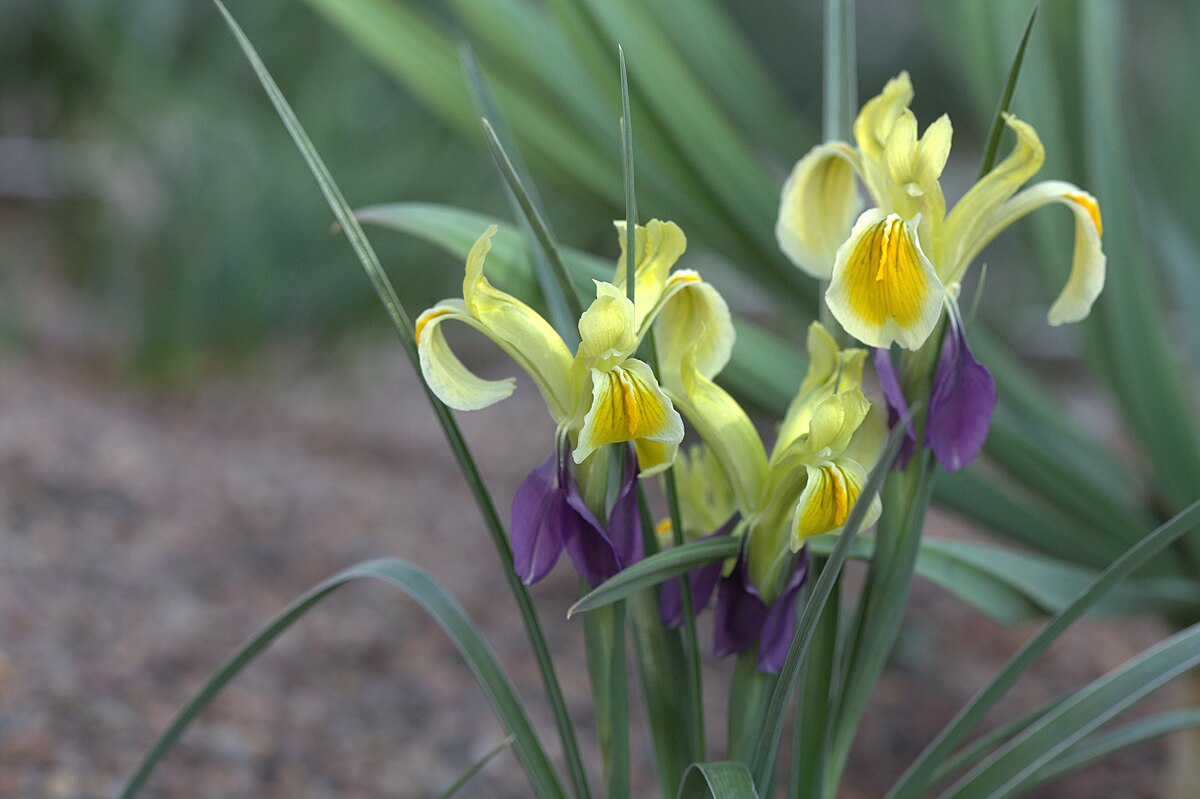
<point x="817" y="207"/>
<point x="446" y="375"/>
<point x="879" y="114"/>
<point x="627" y="404"/>
<point x="706" y="498"/>
<point x="726" y="431"/>
<point x="828" y="498"/>
<point x="965" y="232"/>
<point x="606" y="330"/>
<point x="883" y="287"/>
<point x="1088" y="264"/>
<point x="692" y="315"/>
<point x="829" y="370"/>
<point x="657" y="246"/>
<point x="519" y="330"/>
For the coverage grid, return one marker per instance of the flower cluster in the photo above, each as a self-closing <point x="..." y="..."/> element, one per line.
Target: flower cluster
<point x="892" y="274"/>
<point x="892" y="271"/>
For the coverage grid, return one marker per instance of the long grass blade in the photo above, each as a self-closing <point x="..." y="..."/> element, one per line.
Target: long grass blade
<point x="438" y="604"/>
<point x="1003" y="773"/>
<point x="919" y="774"/>
<point x="404" y="329"/>
<point x="1105" y="744"/>
<point x="475" y="768"/>
<point x="993" y="144"/>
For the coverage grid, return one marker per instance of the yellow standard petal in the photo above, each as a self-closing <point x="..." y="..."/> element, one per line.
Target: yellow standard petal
<point x="879" y="114"/>
<point x="818" y="206"/>
<point x="627" y="405"/>
<point x="883" y="287"/>
<point x="520" y="331"/>
<point x="1088" y="264"/>
<point x="828" y="497"/>
<point x="607" y="333"/>
<point x="445" y="374"/>
<point x="657" y="246"/>
<point x="830" y="370"/>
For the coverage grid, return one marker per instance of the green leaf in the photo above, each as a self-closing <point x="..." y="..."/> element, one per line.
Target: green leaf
<point x="655" y="569"/>
<point x="475" y="768"/>
<point x="768" y="736"/>
<point x="604" y="647"/>
<point x="993" y="144"/>
<point x="917" y="777"/>
<point x="1011" y="587"/>
<point x="1105" y="744"/>
<point x="724" y="780"/>
<point x="840" y="71"/>
<point x="1004" y="772"/>
<point x="439" y="605"/>
<point x="454" y="438"/>
<point x="985" y="743"/>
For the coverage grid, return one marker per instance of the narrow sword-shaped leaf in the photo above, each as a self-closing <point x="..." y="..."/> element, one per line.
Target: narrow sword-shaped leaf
<point x="1003" y="773"/>
<point x="438" y="604"/>
<point x="918" y="775"/>
<point x="404" y="329"/>
<point x="475" y="768"/>
<point x="993" y="144"/>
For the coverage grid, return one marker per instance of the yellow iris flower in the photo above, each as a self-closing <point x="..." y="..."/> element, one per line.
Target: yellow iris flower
<point x="829" y="437"/>
<point x="889" y="271"/>
<point x="601" y="394"/>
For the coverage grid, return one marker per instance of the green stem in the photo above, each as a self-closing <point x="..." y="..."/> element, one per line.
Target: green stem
<point x="815" y="700"/>
<point x="694" y="675"/>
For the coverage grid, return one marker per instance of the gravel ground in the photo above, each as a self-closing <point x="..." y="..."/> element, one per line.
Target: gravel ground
<point x="144" y="534"/>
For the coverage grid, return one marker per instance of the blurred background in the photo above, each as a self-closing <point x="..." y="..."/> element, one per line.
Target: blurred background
<point x="202" y="411"/>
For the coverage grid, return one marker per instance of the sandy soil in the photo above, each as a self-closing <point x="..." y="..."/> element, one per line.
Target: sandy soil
<point x="144" y="534"/>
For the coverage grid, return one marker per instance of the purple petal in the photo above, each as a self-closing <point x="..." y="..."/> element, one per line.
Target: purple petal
<point x="587" y="544"/>
<point x="889" y="382"/>
<point x="739" y="616"/>
<point x="702" y="581"/>
<point x="625" y="518"/>
<point x="536" y="539"/>
<point x="960" y="408"/>
<point x="780" y="625"/>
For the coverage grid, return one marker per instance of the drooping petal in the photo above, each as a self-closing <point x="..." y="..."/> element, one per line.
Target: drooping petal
<point x="889" y="382"/>
<point x="779" y="627"/>
<point x="883" y="287"/>
<point x="961" y="405"/>
<point x="1088" y="263"/>
<point x="739" y="615"/>
<point x="657" y="246"/>
<point x="817" y="207"/>
<point x="692" y="315"/>
<point x="537" y="512"/>
<point x="519" y="330"/>
<point x="452" y="382"/>
<point x="967" y="230"/>
<point x="587" y="544"/>
<point x="606" y="330"/>
<point x="625" y="519"/>
<point x="828" y="497"/>
<point x="627" y="404"/>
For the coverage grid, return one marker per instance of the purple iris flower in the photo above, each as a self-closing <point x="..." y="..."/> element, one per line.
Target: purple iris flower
<point x="741" y="617"/>
<point x="960" y="406"/>
<point x="549" y="515"/>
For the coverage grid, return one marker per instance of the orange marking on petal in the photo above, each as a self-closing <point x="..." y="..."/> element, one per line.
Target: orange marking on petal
<point x="1091" y="207"/>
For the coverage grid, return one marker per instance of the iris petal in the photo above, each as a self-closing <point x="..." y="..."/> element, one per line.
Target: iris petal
<point x="627" y="404"/>
<point x="961" y="405"/>
<point x="883" y="287"/>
